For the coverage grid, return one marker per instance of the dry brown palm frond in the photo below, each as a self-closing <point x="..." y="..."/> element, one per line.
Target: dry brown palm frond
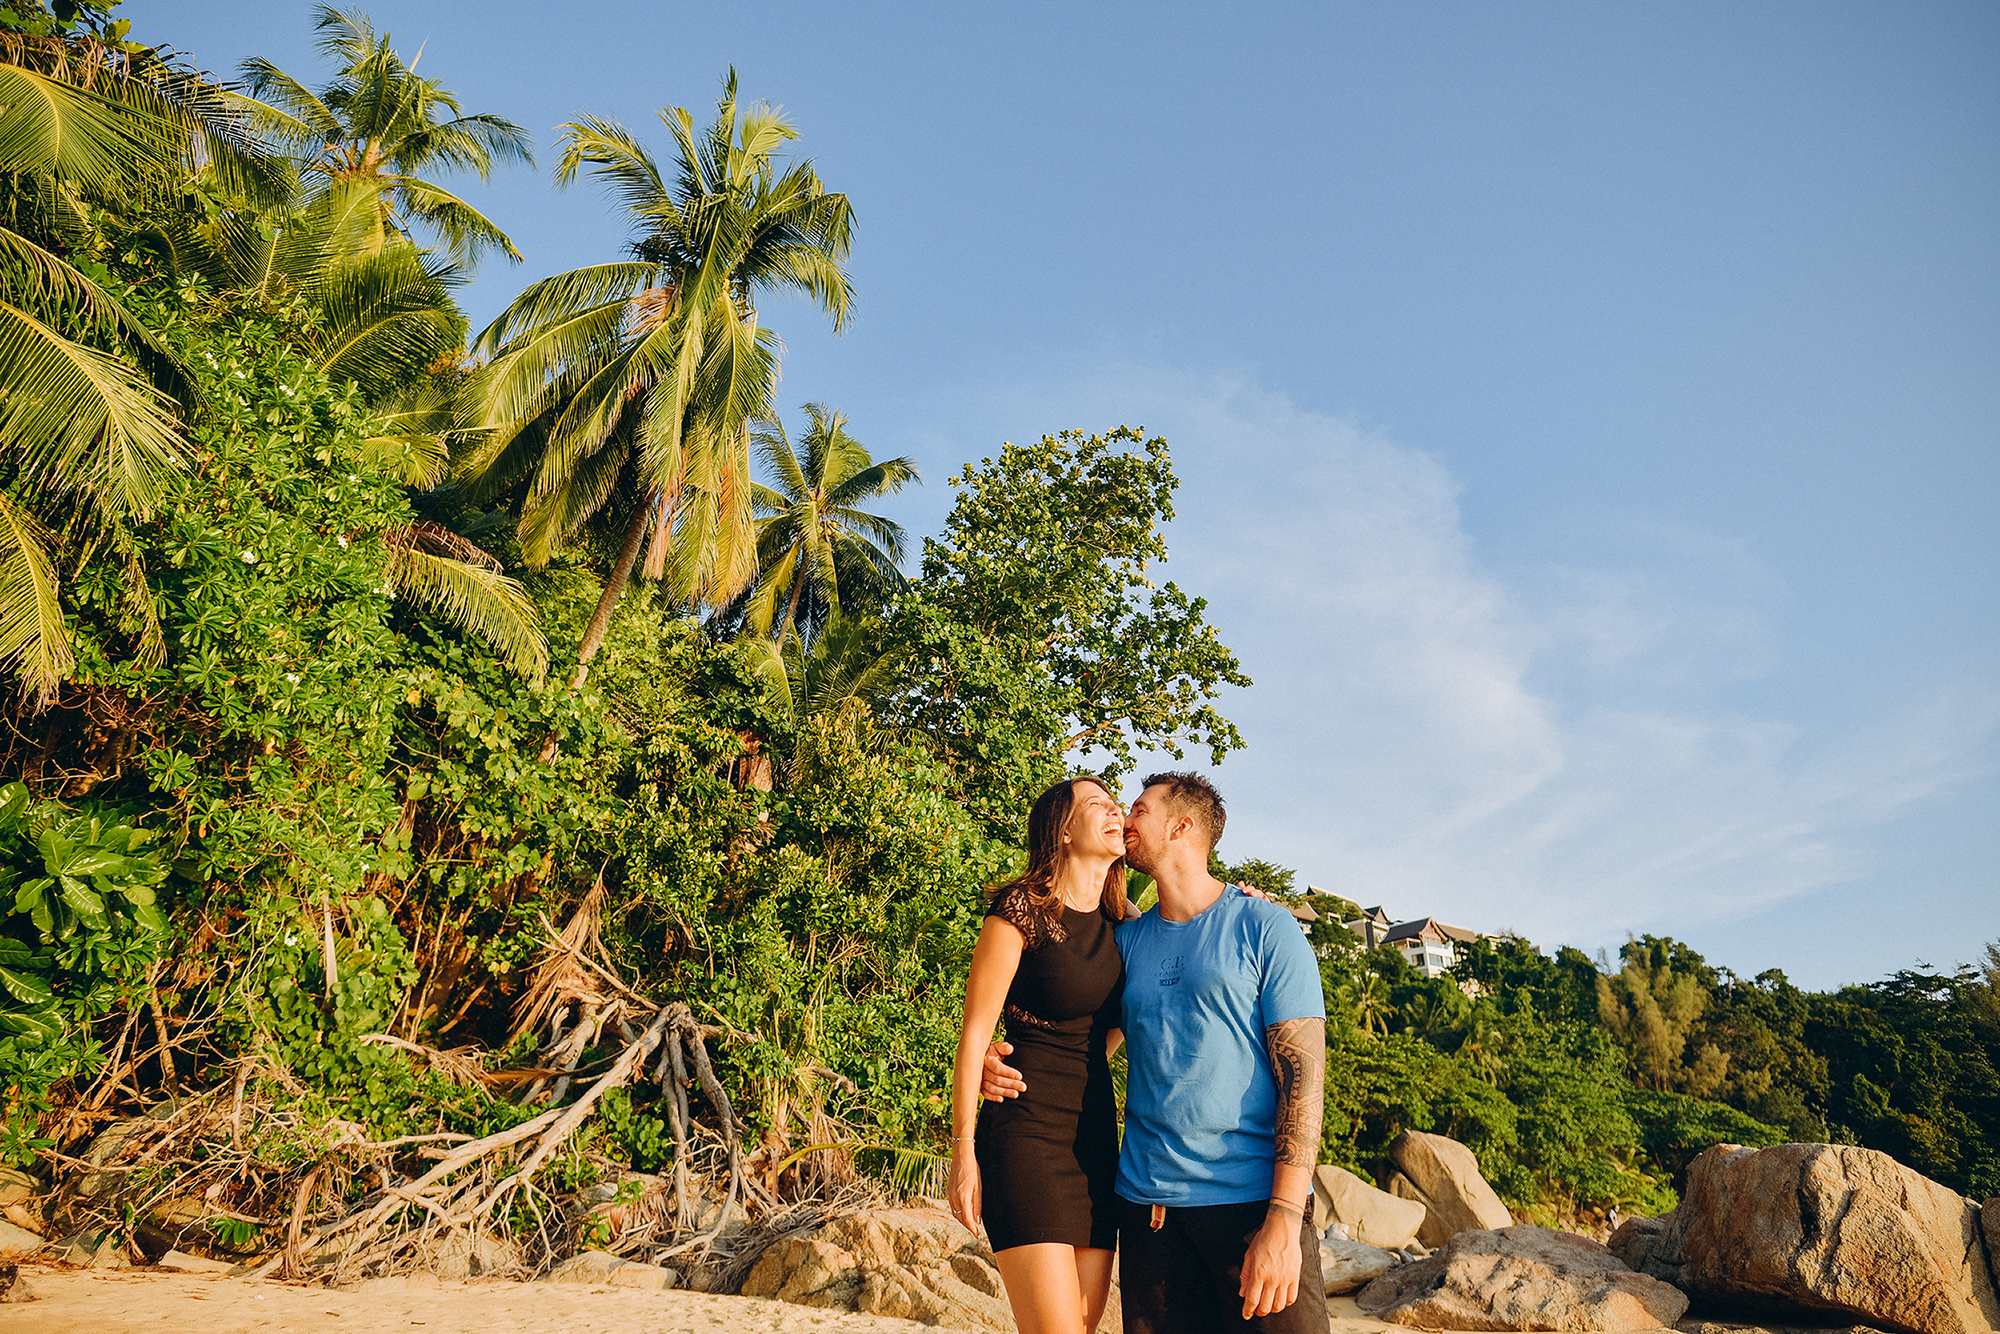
<point x="460" y="1065"/>
<point x="562" y="976"/>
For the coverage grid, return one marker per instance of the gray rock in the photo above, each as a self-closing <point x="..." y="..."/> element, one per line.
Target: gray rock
<point x="182" y="1263"/>
<point x="89" y="1249"/>
<point x="588" y="1267"/>
<point x="1726" y="1327"/>
<point x="1370" y="1215"/>
<point x="1634" y="1240"/>
<point x="14" y="1288"/>
<point x="16" y="1186"/>
<point x="19" y="1241"/>
<point x="1348" y="1266"/>
<point x="1522" y="1277"/>
<point x="464" y="1255"/>
<point x="394" y="1283"/>
<point x="1443" y="1175"/>
<point x="647" y="1278"/>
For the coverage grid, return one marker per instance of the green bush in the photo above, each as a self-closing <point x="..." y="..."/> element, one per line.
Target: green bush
<point x="80" y="928"/>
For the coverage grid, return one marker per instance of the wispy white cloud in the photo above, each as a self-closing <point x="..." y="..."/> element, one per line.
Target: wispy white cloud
<point x="1574" y="751"/>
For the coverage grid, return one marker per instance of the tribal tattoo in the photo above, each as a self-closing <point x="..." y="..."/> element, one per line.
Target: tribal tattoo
<point x="1297" y="1048"/>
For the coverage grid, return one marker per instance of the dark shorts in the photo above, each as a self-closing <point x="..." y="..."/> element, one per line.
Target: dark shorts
<point x="1182" y="1279"/>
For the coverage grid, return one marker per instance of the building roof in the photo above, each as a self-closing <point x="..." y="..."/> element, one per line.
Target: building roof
<point x="1428" y="928"/>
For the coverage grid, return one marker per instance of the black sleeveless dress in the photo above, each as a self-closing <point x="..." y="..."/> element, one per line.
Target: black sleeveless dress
<point x="1048" y="1160"/>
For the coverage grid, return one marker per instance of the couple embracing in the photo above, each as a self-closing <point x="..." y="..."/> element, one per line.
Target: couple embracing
<point x="1216" y="997"/>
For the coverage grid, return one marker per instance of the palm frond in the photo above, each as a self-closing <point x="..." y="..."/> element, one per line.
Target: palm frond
<point x="386" y="318"/>
<point x="287" y="111"/>
<point x="34" y="643"/>
<point x="477" y="599"/>
<point x="564" y="499"/>
<point x="615" y="158"/>
<point x="51" y="128"/>
<point x="78" y="420"/>
<point x="465" y="230"/>
<point x="562" y="298"/>
<point x="766" y="662"/>
<point x="467" y="143"/>
<point x="414" y="444"/>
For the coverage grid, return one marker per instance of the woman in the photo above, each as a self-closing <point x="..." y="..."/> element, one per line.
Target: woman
<point x="1039" y="1171"/>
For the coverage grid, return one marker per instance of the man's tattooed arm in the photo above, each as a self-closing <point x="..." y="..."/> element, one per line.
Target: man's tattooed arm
<point x="1297" y="1048"/>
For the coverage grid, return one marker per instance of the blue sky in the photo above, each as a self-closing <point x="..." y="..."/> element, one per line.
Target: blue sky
<point x="1586" y="413"/>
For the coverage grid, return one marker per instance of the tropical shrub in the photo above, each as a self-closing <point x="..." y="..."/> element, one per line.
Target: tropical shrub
<point x="80" y="930"/>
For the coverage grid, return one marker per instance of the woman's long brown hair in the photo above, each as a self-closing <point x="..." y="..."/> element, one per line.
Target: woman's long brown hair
<point x="1037" y="884"/>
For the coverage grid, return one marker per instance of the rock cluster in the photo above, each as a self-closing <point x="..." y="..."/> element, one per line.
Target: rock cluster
<point x="917" y="1264"/>
<point x="1522" y="1277"/>
<point x="1846" y="1232"/>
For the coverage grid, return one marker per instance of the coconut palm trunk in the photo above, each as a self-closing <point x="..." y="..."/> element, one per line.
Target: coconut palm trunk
<point x="614" y="589"/>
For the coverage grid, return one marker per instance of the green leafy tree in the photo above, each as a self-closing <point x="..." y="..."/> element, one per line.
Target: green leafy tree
<point x="1270" y="877"/>
<point x="635" y="384"/>
<point x="377" y="130"/>
<point x="1035" y="630"/>
<point x="1910" y="1073"/>
<point x="813" y="540"/>
<point x="1650" y="1010"/>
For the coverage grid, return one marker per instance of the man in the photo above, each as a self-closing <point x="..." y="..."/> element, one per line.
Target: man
<point x="1225" y="1035"/>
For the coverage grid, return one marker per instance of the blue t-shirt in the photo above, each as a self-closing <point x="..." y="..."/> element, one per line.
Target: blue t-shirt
<point x="1201" y="1105"/>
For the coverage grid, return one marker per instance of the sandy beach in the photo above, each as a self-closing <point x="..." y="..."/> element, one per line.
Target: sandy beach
<point x="74" y="1301"/>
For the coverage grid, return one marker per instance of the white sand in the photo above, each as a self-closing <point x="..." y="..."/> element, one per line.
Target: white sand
<point x="76" y="1301"/>
<point x="96" y="1302"/>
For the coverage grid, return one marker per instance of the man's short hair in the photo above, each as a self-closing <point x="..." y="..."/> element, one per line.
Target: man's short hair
<point x="1193" y="795"/>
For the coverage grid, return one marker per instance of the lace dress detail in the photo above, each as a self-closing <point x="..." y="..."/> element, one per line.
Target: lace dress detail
<point x="1038" y="928"/>
<point x="1016" y="1015"/>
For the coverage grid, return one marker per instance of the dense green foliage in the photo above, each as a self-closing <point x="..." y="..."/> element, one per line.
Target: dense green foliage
<point x="306" y="800"/>
<point x="80" y="926"/>
<point x="1574" y="1096"/>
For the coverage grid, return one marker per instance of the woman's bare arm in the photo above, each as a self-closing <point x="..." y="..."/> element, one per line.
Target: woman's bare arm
<point x="995" y="959"/>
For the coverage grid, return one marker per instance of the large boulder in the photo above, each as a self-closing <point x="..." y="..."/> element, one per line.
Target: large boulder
<point x="1522" y="1277"/>
<point x="1443" y="1176"/>
<point x="1348" y="1266"/>
<point x="806" y="1272"/>
<point x="916" y="1264"/>
<point x="1372" y="1216"/>
<point x="1832" y="1229"/>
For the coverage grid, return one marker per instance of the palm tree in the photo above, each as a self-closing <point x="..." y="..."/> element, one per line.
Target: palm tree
<point x="812" y="538"/>
<point x="83" y="430"/>
<point x="92" y="434"/>
<point x="1371" y="1003"/>
<point x="639" y="380"/>
<point x="376" y="125"/>
<point x="845" y="662"/>
<point x="386" y="311"/>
